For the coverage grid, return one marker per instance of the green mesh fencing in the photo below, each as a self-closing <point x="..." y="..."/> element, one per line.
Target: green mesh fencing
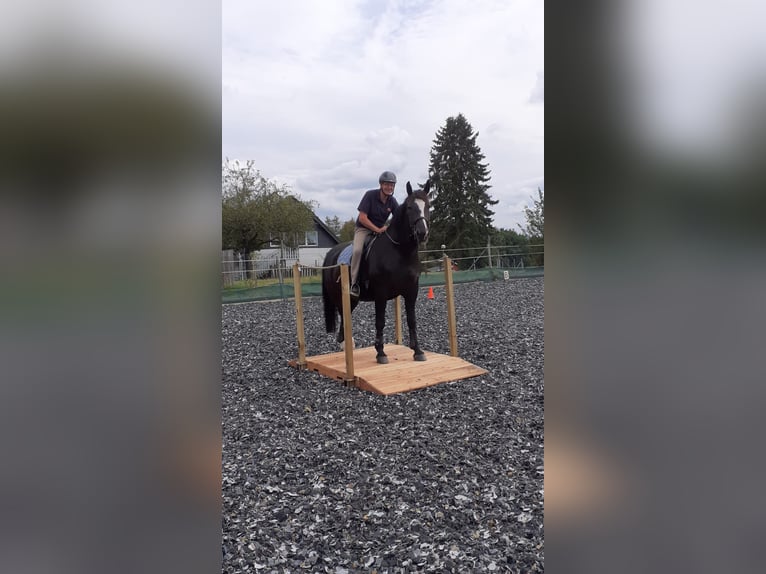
<point x="313" y="289"/>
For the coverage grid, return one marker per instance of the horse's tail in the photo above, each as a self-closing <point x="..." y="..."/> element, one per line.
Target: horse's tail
<point x="330" y="310"/>
<point x="328" y="280"/>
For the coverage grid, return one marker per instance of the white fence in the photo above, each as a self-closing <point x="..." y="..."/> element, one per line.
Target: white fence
<point x="269" y="264"/>
<point x="278" y="263"/>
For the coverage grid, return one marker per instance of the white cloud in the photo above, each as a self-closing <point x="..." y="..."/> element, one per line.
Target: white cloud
<point x="325" y="96"/>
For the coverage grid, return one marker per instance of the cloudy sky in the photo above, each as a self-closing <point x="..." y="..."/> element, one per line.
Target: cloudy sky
<point x="324" y="96"/>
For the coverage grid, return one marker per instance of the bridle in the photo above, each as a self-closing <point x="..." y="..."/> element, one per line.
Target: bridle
<point x="412" y="230"/>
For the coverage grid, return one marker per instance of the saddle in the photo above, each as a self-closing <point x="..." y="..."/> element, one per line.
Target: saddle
<point x="368" y="241"/>
<point x="345" y="257"/>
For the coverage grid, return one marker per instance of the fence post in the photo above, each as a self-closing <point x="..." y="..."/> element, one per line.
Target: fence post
<point x="450" y="306"/>
<point x="348" y="343"/>
<point x="398" y="319"/>
<point x="281" y="280"/>
<point x="299" y="317"/>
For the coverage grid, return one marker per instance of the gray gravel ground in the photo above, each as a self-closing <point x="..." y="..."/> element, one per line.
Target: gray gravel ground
<point x="322" y="478"/>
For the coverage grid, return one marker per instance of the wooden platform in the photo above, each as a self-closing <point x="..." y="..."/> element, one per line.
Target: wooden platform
<point x="401" y="374"/>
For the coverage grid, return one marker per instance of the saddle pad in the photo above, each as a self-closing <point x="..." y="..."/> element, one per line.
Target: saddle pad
<point x="345" y="255"/>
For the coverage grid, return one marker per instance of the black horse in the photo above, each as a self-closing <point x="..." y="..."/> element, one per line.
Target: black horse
<point x="390" y="268"/>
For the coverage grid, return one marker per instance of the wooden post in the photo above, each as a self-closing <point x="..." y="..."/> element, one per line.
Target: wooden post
<point x="398" y="319"/>
<point x="299" y="317"/>
<point x="348" y="332"/>
<point x="451" y="323"/>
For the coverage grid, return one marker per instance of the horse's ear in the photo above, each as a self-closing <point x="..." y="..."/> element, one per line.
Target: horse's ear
<point x="427" y="186"/>
<point x="409" y="188"/>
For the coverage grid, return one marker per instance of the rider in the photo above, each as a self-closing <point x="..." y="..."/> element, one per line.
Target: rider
<point x="374" y="209"/>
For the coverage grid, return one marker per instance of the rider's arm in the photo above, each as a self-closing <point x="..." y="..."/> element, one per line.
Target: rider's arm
<point x="364" y="220"/>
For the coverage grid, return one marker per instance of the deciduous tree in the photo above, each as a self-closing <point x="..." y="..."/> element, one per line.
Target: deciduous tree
<point x="333" y="223"/>
<point x="535" y="227"/>
<point x="347" y="231"/>
<point x="256" y="211"/>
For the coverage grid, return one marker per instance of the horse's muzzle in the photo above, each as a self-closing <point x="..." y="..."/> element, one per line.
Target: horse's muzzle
<point x="420" y="231"/>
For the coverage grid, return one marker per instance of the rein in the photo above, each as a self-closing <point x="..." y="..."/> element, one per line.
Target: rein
<point x="394" y="241"/>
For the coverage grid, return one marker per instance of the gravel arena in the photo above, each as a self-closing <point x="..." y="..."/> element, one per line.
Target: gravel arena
<point x="318" y="477"/>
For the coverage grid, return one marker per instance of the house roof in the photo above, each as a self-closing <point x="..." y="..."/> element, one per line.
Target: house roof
<point x="321" y="223"/>
<point x="327" y="229"/>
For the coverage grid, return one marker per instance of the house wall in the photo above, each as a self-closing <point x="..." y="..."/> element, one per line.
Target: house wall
<point x="325" y="239"/>
<point x="311" y="256"/>
<point x="266" y="260"/>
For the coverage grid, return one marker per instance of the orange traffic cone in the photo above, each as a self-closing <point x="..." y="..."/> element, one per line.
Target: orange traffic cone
<point x="430" y="292"/>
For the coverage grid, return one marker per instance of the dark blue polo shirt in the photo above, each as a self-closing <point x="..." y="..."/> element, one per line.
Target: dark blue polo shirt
<point x="377" y="212"/>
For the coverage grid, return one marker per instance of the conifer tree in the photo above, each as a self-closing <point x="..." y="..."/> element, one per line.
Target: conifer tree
<point x="460" y="205"/>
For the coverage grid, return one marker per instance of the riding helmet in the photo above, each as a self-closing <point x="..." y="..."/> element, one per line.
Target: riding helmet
<point x="387" y="176"/>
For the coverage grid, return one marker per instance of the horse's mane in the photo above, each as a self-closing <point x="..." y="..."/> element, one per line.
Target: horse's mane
<point x="399" y="218"/>
<point x="399" y="211"/>
<point x="399" y="221"/>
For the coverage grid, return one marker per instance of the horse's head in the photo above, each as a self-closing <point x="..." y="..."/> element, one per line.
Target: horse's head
<point x="417" y="208"/>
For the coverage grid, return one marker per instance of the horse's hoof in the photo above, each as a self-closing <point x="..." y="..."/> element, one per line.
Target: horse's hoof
<point x="383" y="360"/>
<point x="420" y="357"/>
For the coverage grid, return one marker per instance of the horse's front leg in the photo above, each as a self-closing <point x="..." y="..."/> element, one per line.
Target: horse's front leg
<point x="409" y="307"/>
<point x="380" y="323"/>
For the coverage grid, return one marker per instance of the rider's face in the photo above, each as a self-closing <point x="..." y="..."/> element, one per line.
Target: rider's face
<point x="387" y="188"/>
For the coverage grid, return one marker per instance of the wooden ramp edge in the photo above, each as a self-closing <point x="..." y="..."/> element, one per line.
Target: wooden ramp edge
<point x="400" y="375"/>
